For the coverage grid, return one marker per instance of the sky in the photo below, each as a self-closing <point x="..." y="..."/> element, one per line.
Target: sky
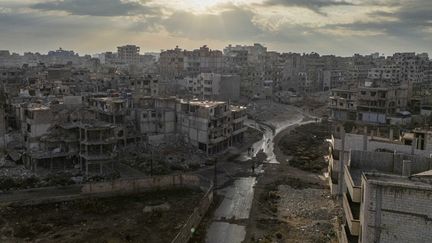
<point x="340" y="27"/>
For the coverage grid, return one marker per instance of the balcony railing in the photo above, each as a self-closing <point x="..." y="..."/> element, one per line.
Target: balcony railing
<point x="353" y="220"/>
<point x="354" y="190"/>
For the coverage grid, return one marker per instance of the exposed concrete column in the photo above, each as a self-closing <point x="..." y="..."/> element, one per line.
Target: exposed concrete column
<point x="391" y="134"/>
<point x="365" y="139"/>
<point x="341" y="164"/>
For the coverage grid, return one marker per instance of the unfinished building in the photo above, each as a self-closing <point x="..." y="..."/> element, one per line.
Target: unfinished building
<point x="209" y="125"/>
<point x="386" y="197"/>
<point x="97" y="148"/>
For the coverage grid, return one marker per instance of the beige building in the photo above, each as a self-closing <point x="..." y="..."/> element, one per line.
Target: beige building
<point x="386" y="198"/>
<point x="128" y="54"/>
<point x="211" y="126"/>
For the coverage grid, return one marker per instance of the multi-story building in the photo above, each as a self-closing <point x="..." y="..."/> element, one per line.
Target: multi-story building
<point x="177" y="62"/>
<point x="128" y="54"/>
<point x="370" y="103"/>
<point x="256" y="54"/>
<point x="145" y="86"/>
<point x="210" y="125"/>
<point x="385" y="197"/>
<point x="377" y="104"/>
<point x="343" y="104"/>
<point x="213" y="86"/>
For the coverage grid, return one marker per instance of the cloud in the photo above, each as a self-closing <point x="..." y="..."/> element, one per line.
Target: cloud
<point x="410" y="19"/>
<point x="96" y="7"/>
<point x="231" y="24"/>
<point x="314" y="5"/>
<point x="372" y="25"/>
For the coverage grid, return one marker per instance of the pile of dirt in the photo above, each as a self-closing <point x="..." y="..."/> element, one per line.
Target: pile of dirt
<point x="116" y="219"/>
<point x="306" y="146"/>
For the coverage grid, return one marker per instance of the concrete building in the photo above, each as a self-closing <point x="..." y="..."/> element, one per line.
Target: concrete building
<point x="145" y="86"/>
<point x="212" y="86"/>
<point x="180" y="63"/>
<point x="376" y="104"/>
<point x="370" y="103"/>
<point x="156" y="116"/>
<point x="128" y="54"/>
<point x="385" y="198"/>
<point x="343" y="105"/>
<point x="209" y="125"/>
<point x="97" y="149"/>
<point x="256" y="54"/>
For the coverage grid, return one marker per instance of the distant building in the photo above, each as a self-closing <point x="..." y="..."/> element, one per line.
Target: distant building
<point x="213" y="86"/>
<point x="128" y="54"/>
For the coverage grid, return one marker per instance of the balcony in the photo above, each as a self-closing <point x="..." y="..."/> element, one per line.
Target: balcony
<point x="352" y="214"/>
<point x="218" y="139"/>
<point x="352" y="180"/>
<point x="109" y="140"/>
<point x="238" y="131"/>
<point x="344" y="235"/>
<point x="107" y="155"/>
<point x="239" y="119"/>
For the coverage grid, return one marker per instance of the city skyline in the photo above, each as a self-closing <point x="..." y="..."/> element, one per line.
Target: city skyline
<point x="326" y="27"/>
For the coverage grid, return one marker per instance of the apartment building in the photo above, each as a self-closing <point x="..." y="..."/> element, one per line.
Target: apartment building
<point x="213" y="86"/>
<point x="343" y="105"/>
<point x="156" y="117"/>
<point x="370" y="103"/>
<point x="210" y="125"/>
<point x="128" y="54"/>
<point x="386" y="197"/>
<point x="377" y="104"/>
<point x="256" y="54"/>
<point x="147" y="85"/>
<point x="177" y="62"/>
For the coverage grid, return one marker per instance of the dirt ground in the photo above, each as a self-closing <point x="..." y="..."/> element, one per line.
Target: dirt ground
<point x="291" y="204"/>
<point x="117" y="219"/>
<point x="305" y="147"/>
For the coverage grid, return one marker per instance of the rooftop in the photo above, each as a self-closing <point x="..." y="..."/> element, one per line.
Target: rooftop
<point x="110" y="99"/>
<point x="203" y="103"/>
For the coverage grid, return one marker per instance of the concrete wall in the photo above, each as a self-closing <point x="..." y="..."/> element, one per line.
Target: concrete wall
<point x="136" y="185"/>
<point x="404" y="215"/>
<point x="356" y="142"/>
<point x="388" y="162"/>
